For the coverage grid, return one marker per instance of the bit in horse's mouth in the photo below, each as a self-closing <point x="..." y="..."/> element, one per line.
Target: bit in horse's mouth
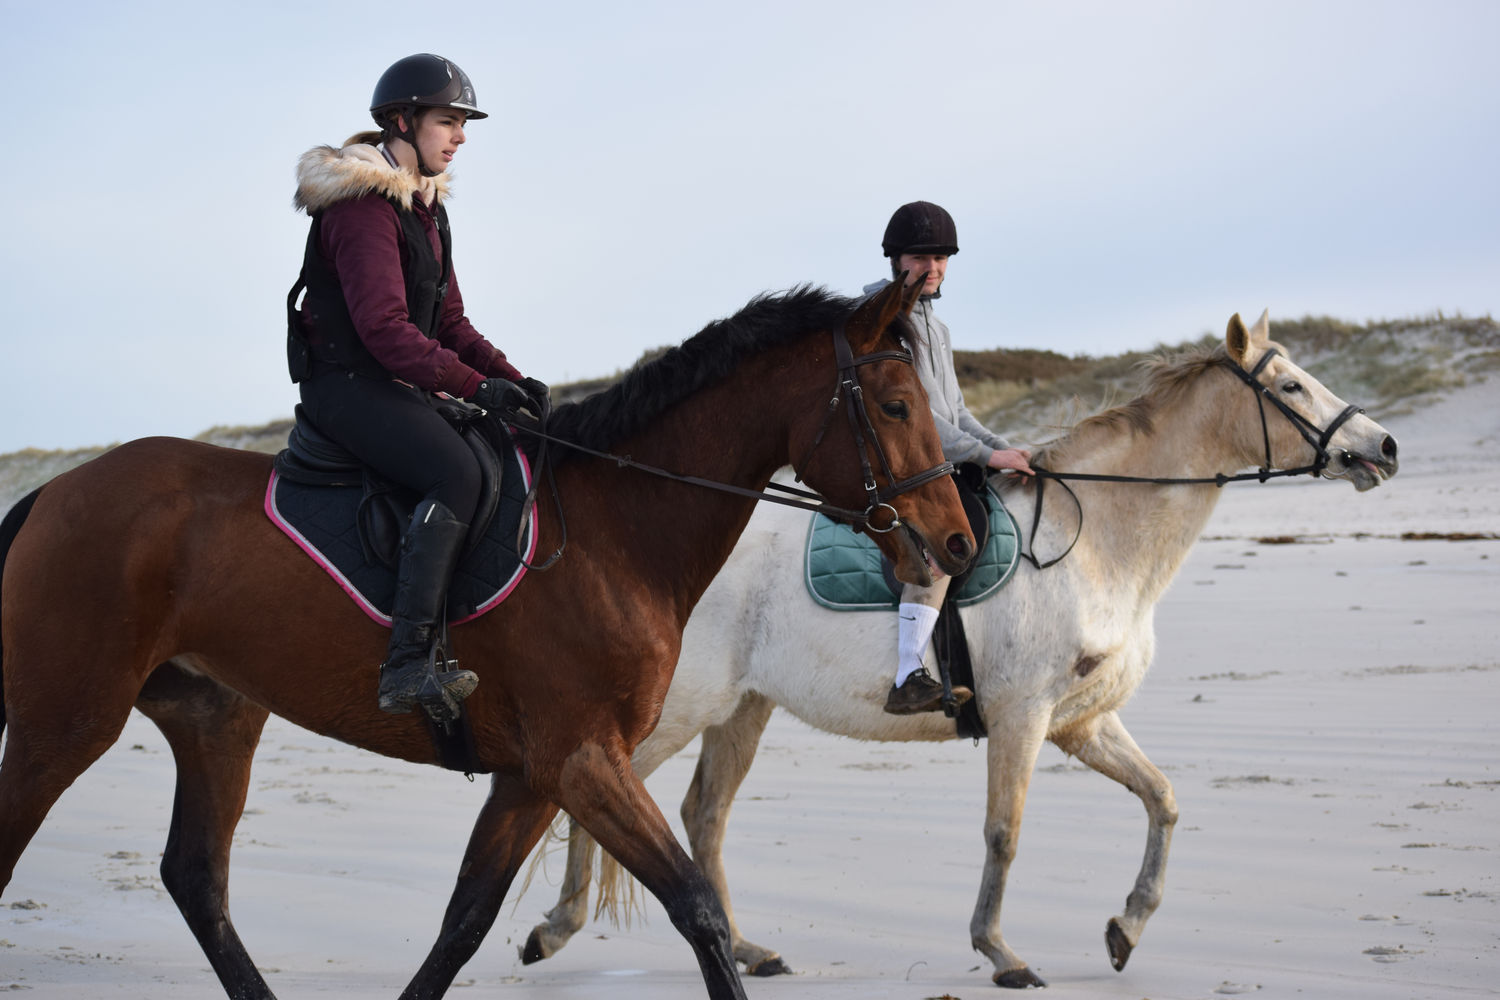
<point x="1363" y="473"/>
<point x="918" y="542"/>
<point x="932" y="565"/>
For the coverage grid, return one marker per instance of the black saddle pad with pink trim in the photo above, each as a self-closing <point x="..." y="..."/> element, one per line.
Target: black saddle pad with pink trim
<point x="323" y="521"/>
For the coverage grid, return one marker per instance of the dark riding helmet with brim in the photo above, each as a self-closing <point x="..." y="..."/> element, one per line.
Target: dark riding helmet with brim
<point x="423" y="81"/>
<point x="420" y="81"/>
<point x="920" y="227"/>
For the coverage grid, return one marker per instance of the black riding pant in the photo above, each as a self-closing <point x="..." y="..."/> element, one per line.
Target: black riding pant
<point x="392" y="427"/>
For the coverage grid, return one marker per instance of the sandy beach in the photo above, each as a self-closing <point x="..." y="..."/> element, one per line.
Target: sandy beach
<point x="1324" y="700"/>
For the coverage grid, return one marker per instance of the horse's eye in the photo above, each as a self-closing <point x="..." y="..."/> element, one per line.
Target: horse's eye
<point x="896" y="409"/>
<point x="1291" y="387"/>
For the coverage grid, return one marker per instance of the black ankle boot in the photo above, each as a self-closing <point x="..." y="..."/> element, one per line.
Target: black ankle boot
<point x="429" y="551"/>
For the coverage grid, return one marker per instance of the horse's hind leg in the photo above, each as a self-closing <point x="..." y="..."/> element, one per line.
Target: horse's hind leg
<point x="32" y="778"/>
<point x="603" y="792"/>
<point x="58" y="723"/>
<point x="513" y="819"/>
<point x="213" y="733"/>
<point x="1109" y="750"/>
<point x="728" y="751"/>
<point x="572" y="910"/>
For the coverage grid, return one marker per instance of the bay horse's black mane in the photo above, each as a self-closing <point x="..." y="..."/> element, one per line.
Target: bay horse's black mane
<point x="647" y="390"/>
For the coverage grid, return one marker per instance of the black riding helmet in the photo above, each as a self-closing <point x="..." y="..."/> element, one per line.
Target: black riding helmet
<point x="920" y="227"/>
<point x="421" y="81"/>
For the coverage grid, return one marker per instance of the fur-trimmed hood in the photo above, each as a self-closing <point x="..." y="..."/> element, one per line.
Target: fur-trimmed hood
<point x="326" y="176"/>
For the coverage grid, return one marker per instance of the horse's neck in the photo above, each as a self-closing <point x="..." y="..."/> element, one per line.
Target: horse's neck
<point x="675" y="535"/>
<point x="1137" y="535"/>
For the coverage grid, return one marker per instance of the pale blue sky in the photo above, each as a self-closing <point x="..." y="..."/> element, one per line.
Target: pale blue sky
<point x="1123" y="174"/>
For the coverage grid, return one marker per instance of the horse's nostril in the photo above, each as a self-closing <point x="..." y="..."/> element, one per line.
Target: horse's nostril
<point x="960" y="547"/>
<point x="1388" y="447"/>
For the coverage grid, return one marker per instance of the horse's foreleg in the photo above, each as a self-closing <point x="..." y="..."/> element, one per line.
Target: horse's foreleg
<point x="728" y="751"/>
<point x="1014" y="742"/>
<point x="603" y="793"/>
<point x="513" y="819"/>
<point x="572" y="910"/>
<point x="1109" y="750"/>
<point x="213" y="733"/>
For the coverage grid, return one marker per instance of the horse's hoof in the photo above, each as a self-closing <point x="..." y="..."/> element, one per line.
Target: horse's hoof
<point x="532" y="950"/>
<point x="772" y="966"/>
<point x="1019" y="979"/>
<point x="1119" y="945"/>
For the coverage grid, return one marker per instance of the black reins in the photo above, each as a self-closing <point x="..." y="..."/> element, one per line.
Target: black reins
<point x="1309" y="431"/>
<point x="848" y="392"/>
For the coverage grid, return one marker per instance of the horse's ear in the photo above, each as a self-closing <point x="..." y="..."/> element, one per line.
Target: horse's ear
<point x="912" y="292"/>
<point x="1262" y="328"/>
<point x="875" y="313"/>
<point x="1237" y="340"/>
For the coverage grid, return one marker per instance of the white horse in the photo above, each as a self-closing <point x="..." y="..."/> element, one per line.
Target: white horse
<point x="1055" y="654"/>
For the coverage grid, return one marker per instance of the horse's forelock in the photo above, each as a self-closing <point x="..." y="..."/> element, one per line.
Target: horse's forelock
<point x="632" y="404"/>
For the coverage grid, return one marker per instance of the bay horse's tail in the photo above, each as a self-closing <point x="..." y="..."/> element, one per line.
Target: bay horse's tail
<point x="9" y="529"/>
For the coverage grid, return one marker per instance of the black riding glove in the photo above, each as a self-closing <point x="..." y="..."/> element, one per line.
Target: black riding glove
<point x="537" y="391"/>
<point x="501" y="397"/>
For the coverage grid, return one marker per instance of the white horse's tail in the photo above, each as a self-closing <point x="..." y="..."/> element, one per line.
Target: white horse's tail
<point x="619" y="892"/>
<point x="619" y="895"/>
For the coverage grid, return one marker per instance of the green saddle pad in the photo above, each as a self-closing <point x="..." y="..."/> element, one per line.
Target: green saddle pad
<point x="843" y="568"/>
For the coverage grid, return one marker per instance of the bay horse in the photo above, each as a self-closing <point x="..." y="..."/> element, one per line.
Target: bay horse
<point x="151" y="577"/>
<point x="1055" y="654"/>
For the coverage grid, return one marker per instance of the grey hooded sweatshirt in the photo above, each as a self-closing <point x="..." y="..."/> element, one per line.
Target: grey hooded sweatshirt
<point x="963" y="437"/>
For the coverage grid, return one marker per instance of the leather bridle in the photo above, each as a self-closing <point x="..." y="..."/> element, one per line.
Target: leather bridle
<point x="848" y="392"/>
<point x="1309" y="431"/>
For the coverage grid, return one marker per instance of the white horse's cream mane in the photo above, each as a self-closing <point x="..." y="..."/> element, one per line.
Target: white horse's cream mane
<point x="1166" y="379"/>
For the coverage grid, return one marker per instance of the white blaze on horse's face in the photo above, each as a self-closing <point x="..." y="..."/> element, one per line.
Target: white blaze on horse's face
<point x="1360" y="450"/>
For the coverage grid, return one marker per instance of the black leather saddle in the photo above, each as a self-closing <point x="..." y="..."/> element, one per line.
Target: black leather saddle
<point x="350" y="520"/>
<point x="312" y="458"/>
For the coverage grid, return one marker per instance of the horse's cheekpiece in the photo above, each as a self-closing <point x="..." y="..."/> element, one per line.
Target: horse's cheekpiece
<point x="845" y="571"/>
<point x="325" y="522"/>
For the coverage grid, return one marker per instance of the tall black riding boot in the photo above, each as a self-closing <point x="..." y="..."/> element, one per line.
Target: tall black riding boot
<point x="430" y="549"/>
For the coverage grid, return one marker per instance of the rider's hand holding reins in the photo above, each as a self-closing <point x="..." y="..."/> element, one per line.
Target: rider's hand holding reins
<point x="525" y="403"/>
<point x="539" y="397"/>
<point x="1015" y="459"/>
<point x="501" y="397"/>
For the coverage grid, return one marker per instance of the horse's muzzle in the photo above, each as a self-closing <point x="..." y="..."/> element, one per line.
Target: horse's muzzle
<point x="1365" y="472"/>
<point x="952" y="557"/>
